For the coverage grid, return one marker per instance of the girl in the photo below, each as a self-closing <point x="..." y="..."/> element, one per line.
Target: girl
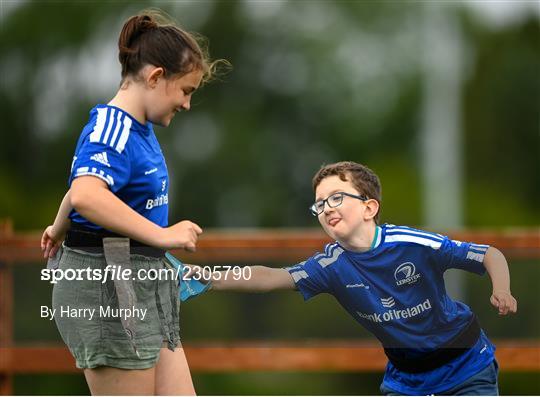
<point x="119" y="188"/>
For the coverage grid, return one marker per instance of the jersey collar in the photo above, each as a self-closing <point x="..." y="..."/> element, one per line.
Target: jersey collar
<point x="376" y="238"/>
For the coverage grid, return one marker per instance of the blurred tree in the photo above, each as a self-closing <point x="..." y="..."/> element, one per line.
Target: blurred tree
<point x="502" y="111"/>
<point x="314" y="82"/>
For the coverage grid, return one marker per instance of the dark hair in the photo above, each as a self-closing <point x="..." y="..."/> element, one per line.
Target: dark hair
<point x="363" y="179"/>
<point x="150" y="38"/>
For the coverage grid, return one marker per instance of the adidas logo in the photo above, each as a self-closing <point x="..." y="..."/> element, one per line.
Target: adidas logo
<point x="101" y="158"/>
<point x="388" y="302"/>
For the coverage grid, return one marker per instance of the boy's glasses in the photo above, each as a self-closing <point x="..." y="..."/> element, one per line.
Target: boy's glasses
<point x="333" y="201"/>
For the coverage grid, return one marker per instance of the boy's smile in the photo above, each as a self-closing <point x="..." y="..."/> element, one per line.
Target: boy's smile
<point x="333" y="221"/>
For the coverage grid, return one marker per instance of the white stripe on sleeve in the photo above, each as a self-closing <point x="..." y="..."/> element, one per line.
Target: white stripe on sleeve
<point x="95" y="135"/>
<point x="297" y="276"/>
<point x="111" y="122"/>
<point x="84" y="171"/>
<point x="328" y="261"/>
<point x="475" y="256"/>
<point x="125" y="135"/>
<point x="116" y="129"/>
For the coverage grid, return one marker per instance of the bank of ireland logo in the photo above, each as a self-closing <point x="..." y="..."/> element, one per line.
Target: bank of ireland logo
<point x="163" y="185"/>
<point x="406" y="274"/>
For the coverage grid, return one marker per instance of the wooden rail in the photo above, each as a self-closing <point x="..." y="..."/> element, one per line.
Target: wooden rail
<point x="275" y="245"/>
<point x="340" y="356"/>
<point x="246" y="247"/>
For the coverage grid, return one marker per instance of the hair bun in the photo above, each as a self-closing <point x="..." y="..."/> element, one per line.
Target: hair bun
<point x="152" y="38"/>
<point x="132" y="30"/>
<point x="146" y="22"/>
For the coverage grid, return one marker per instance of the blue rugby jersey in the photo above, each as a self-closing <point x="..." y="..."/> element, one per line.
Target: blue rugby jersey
<point x="396" y="291"/>
<point x="126" y="155"/>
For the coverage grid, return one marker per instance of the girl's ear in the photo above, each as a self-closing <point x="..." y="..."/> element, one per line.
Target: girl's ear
<point x="153" y="76"/>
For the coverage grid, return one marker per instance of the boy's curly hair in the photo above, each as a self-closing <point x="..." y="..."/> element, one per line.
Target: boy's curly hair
<point x="362" y="178"/>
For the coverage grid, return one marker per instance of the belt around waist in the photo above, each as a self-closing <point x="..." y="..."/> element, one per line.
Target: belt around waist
<point x="91" y="241"/>
<point x="462" y="343"/>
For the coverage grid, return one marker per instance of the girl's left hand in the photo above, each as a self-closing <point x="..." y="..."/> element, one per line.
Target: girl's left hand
<point x="51" y="242"/>
<point x="504" y="301"/>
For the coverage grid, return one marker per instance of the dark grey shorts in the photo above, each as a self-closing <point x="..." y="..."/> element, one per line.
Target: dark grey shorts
<point x="89" y="320"/>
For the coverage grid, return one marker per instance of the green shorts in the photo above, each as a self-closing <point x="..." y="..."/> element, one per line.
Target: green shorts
<point x="89" y="318"/>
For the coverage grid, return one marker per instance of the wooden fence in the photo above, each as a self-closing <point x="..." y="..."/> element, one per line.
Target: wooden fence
<point x="245" y="246"/>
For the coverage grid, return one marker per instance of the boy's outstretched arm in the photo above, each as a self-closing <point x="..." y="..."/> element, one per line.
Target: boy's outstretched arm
<point x="263" y="279"/>
<point x="497" y="268"/>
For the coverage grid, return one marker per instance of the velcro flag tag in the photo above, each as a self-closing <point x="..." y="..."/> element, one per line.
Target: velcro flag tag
<point x="189" y="288"/>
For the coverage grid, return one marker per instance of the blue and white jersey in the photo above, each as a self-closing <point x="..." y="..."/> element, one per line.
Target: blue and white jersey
<point x="126" y="155"/>
<point x="396" y="291"/>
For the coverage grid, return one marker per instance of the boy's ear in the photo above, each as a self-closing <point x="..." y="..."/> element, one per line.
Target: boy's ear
<point x="372" y="209"/>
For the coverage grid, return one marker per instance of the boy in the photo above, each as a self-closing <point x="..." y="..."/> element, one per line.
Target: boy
<point x="390" y="280"/>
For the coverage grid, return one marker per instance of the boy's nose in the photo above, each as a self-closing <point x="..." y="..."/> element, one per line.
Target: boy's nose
<point x="186" y="105"/>
<point x="328" y="209"/>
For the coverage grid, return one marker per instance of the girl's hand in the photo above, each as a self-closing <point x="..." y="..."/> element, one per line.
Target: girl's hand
<point x="504" y="301"/>
<point x="51" y="241"/>
<point x="181" y="235"/>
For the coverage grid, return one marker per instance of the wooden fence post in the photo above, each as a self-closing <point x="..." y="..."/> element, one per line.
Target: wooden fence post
<point x="6" y="311"/>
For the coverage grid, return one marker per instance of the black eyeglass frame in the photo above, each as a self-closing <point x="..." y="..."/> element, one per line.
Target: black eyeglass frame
<point x="315" y="212"/>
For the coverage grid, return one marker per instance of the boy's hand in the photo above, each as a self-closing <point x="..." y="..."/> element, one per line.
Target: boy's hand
<point x="51" y="241"/>
<point x="504" y="301"/>
<point x="195" y="272"/>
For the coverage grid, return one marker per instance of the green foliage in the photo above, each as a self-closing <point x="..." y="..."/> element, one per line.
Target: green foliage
<point x="502" y="105"/>
<point x="343" y="83"/>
